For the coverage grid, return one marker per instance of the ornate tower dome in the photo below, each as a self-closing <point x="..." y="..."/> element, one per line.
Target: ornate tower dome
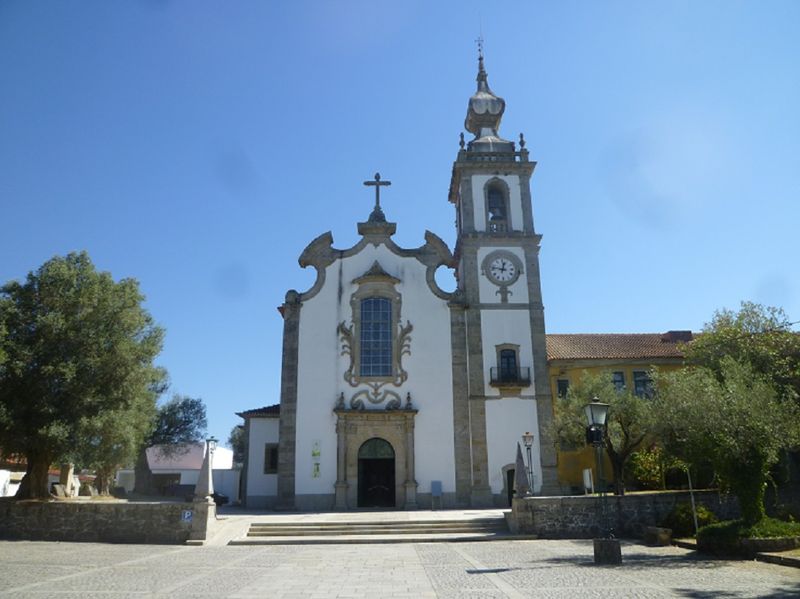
<point x="484" y="113"/>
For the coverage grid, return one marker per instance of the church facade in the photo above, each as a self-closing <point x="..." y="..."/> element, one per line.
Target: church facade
<point x="396" y="393"/>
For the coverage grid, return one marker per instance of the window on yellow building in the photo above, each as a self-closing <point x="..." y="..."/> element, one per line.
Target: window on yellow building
<point x="642" y="384"/>
<point x="562" y="387"/>
<point x="618" y="378"/>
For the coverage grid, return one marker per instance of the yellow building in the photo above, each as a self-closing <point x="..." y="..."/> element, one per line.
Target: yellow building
<point x="628" y="357"/>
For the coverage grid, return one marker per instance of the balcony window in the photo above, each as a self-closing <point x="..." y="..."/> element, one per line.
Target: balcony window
<point x="508" y="373"/>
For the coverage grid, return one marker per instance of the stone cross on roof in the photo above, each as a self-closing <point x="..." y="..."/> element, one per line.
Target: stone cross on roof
<point x="377" y="213"/>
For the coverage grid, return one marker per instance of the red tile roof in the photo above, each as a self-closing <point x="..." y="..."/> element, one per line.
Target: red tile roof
<point x="610" y="346"/>
<point x="266" y="411"/>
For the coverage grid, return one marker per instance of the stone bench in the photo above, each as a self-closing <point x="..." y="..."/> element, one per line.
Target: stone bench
<point x="654" y="535"/>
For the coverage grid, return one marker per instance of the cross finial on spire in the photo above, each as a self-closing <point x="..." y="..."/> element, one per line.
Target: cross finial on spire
<point x="479" y="41"/>
<point x="481" y="71"/>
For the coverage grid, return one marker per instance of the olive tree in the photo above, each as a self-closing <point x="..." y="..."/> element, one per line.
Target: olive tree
<point x="78" y="346"/>
<point x="629" y="422"/>
<point x="733" y="418"/>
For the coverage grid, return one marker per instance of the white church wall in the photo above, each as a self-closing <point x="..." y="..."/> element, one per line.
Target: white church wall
<point x="429" y="380"/>
<point x="260" y="486"/>
<point x="506" y="421"/>
<point x="479" y="200"/>
<point x="321" y="373"/>
<point x="318" y="384"/>
<point x="505" y="326"/>
<point x="518" y="292"/>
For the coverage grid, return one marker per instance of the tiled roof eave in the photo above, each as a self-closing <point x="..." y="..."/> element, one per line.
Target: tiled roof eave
<point x="272" y="411"/>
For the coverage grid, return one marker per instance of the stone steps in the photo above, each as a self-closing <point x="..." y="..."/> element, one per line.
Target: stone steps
<point x="376" y="531"/>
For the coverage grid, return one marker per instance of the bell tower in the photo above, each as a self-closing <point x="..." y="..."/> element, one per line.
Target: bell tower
<point x="497" y="316"/>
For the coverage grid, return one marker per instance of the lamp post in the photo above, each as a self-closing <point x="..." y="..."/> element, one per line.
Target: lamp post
<point x="606" y="548"/>
<point x="527" y="441"/>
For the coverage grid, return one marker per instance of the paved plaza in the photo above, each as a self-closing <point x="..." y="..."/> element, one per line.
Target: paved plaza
<point x="489" y="569"/>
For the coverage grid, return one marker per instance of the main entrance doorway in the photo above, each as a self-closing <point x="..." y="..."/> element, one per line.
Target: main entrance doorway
<point x="376" y="474"/>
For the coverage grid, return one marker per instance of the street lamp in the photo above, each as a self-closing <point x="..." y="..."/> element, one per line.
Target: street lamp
<point x="527" y="441"/>
<point x="596" y="412"/>
<point x="606" y="548"/>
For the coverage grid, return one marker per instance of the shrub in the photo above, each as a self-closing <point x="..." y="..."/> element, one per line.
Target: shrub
<point x="790" y="512"/>
<point x="681" y="522"/>
<point x="650" y="467"/>
<point x="736" y="537"/>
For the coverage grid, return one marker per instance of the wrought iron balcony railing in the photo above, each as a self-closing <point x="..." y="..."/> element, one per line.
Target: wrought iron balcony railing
<point x="509" y="377"/>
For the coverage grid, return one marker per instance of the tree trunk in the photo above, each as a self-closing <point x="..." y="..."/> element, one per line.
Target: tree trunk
<point x="750" y="490"/>
<point x="34" y="484"/>
<point x="143" y="484"/>
<point x="102" y="482"/>
<point x="617" y="467"/>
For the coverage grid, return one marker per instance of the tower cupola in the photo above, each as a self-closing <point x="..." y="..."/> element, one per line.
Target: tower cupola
<point x="484" y="113"/>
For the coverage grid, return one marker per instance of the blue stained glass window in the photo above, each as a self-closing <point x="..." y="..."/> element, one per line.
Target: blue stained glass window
<point x="376" y="337"/>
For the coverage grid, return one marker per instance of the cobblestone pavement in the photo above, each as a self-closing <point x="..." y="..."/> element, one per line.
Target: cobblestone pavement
<point x="463" y="570"/>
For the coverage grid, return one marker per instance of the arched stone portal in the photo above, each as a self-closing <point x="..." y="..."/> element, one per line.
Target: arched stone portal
<point x="376" y="474"/>
<point x="370" y="430"/>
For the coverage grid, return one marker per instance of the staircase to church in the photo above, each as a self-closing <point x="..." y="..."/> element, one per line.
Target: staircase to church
<point x="376" y="530"/>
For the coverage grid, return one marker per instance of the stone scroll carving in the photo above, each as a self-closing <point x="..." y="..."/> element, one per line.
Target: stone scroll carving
<point x="377" y="391"/>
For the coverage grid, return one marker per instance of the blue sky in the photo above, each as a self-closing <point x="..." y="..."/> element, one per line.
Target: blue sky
<point x="199" y="146"/>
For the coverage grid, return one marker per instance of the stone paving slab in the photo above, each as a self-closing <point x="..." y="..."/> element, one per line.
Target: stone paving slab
<point x="514" y="569"/>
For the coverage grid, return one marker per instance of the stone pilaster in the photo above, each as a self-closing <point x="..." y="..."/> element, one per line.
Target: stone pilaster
<point x="461" y="432"/>
<point x="544" y="398"/>
<point x="288" y="417"/>
<point x="341" y="464"/>
<point x="481" y="494"/>
<point x="411" y="478"/>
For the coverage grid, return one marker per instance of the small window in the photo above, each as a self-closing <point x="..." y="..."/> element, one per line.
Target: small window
<point x="496" y="209"/>
<point x="562" y="387"/>
<point x="618" y="378"/>
<point x="271" y="458"/>
<point x="642" y="384"/>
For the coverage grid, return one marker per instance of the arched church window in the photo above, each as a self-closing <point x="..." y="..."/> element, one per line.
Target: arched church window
<point x="376" y="337"/>
<point x="377" y="340"/>
<point x="496" y="208"/>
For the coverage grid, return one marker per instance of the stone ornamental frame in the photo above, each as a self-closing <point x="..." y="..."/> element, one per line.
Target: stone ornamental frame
<point x="376" y="282"/>
<point x="353" y="429"/>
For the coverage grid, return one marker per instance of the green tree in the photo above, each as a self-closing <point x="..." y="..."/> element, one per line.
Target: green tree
<point x="757" y="335"/>
<point x="78" y="345"/>
<point x="237" y="442"/>
<point x="114" y="438"/>
<point x="735" y="419"/>
<point x="630" y="419"/>
<point x="177" y="423"/>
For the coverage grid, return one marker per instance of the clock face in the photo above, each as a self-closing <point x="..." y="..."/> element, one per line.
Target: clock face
<point x="502" y="268"/>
